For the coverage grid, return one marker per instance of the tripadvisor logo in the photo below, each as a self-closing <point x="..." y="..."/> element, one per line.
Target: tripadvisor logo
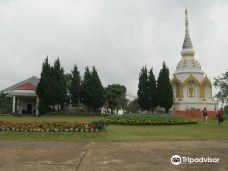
<point x="176" y="160"/>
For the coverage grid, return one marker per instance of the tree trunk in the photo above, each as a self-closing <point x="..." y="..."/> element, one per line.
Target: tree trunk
<point x="53" y="109"/>
<point x="78" y="102"/>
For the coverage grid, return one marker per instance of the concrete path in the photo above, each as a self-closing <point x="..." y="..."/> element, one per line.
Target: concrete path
<point x="105" y="156"/>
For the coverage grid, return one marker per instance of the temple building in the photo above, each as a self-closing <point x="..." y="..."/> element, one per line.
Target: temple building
<point x="191" y="86"/>
<point x="24" y="97"/>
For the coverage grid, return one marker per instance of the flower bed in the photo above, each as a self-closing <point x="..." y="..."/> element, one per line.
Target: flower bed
<point x="147" y="119"/>
<point x="51" y="126"/>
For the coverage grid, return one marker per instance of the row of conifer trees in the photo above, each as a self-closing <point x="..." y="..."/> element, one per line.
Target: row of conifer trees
<point x="57" y="88"/>
<point x="153" y="93"/>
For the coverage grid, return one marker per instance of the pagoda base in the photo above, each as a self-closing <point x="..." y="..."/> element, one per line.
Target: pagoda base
<point x="194" y="109"/>
<point x="195" y="114"/>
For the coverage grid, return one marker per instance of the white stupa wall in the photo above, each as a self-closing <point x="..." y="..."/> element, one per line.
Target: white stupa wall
<point x="188" y="72"/>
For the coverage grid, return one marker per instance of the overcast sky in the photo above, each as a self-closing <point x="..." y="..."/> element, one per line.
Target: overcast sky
<point x="117" y="36"/>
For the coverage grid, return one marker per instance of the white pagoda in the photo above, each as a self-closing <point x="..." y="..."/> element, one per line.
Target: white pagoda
<point x="192" y="88"/>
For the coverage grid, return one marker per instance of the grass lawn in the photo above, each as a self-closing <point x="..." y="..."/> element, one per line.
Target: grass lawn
<point x="120" y="133"/>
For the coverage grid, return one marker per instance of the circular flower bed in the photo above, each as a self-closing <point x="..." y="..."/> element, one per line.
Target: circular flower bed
<point x="51" y="126"/>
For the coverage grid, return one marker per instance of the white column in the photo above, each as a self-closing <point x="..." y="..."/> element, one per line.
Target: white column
<point x="37" y="105"/>
<point x="70" y="102"/>
<point x="14" y="103"/>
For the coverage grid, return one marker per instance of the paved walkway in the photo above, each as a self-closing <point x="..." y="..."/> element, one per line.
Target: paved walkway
<point x="105" y="156"/>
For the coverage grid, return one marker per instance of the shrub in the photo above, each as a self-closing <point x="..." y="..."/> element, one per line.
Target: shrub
<point x="5" y="103"/>
<point x="100" y="125"/>
<point x="226" y="109"/>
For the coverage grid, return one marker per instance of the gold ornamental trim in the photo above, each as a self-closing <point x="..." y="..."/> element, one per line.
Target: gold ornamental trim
<point x="191" y="78"/>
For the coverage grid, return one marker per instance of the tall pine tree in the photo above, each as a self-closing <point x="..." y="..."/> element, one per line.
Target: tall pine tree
<point x="152" y="90"/>
<point x="75" y="86"/>
<point x="86" y="96"/>
<point x="92" y="94"/>
<point x="97" y="91"/>
<point x="165" y="91"/>
<point x="68" y="78"/>
<point x="43" y="88"/>
<point x="51" y="89"/>
<point x="143" y="90"/>
<point x="59" y="84"/>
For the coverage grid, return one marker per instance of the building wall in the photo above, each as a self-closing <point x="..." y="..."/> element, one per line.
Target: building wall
<point x="22" y="103"/>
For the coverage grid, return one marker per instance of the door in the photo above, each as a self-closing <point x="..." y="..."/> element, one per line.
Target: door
<point x="29" y="108"/>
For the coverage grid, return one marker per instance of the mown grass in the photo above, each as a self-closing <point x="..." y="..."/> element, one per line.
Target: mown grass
<point x="200" y="131"/>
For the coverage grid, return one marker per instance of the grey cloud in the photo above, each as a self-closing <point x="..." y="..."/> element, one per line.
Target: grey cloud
<point x="118" y="37"/>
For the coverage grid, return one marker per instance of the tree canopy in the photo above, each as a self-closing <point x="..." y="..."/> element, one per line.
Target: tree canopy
<point x="164" y="88"/>
<point x="44" y="88"/>
<point x="143" y="90"/>
<point x="59" y="82"/>
<point x="57" y="88"/>
<point x="97" y="90"/>
<point x="75" y="86"/>
<point x="152" y="90"/>
<point x="221" y="82"/>
<point x="5" y="103"/>
<point x="133" y="106"/>
<point x="86" y="96"/>
<point x="115" y="96"/>
<point x="92" y="90"/>
<point x="51" y="89"/>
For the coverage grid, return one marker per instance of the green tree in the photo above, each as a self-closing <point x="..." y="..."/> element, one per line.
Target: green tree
<point x="133" y="106"/>
<point x="42" y="107"/>
<point x="59" y="88"/>
<point x="152" y="90"/>
<point x="115" y="96"/>
<point x="86" y="96"/>
<point x="5" y="103"/>
<point x="226" y="110"/>
<point x="44" y="89"/>
<point x="222" y="84"/>
<point x="143" y="90"/>
<point x="68" y="78"/>
<point x="75" y="86"/>
<point x="164" y="88"/>
<point x="96" y="91"/>
<point x="51" y="89"/>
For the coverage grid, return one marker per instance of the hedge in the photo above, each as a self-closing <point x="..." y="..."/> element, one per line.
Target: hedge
<point x="151" y="119"/>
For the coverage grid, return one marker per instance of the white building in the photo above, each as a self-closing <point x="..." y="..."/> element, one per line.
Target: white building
<point x="25" y="99"/>
<point x="192" y="88"/>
